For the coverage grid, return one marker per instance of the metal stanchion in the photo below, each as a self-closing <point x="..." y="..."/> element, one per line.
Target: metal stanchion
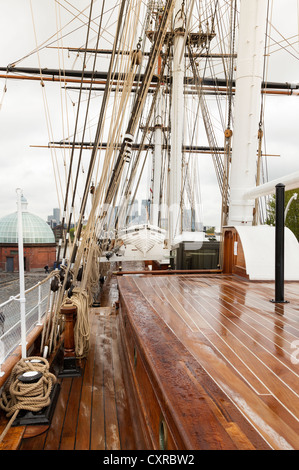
<point x="279" y="245"/>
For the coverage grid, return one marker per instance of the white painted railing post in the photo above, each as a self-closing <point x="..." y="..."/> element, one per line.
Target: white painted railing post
<point x="39" y="304"/>
<point x="21" y="274"/>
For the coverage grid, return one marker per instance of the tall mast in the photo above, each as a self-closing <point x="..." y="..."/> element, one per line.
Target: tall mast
<point x="253" y="17"/>
<point x="175" y="175"/>
<point x="158" y="145"/>
<point x="157" y="166"/>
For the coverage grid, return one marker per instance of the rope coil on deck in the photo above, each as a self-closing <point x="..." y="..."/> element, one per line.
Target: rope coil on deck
<point x="18" y="395"/>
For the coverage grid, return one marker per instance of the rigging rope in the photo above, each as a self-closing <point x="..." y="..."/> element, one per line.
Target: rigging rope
<point x="44" y="44"/>
<point x="3" y="93"/>
<point x="228" y="131"/>
<point x="99" y="131"/>
<point x="88" y="253"/>
<point x="84" y="130"/>
<point x="75" y="132"/>
<point x="116" y="170"/>
<point x="81" y="299"/>
<point x="47" y="114"/>
<point x="261" y="131"/>
<point x="145" y="131"/>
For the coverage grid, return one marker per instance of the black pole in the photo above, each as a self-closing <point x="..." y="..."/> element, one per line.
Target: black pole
<point x="279" y="244"/>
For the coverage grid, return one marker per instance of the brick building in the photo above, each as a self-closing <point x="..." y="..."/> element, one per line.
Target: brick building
<point x="38" y="239"/>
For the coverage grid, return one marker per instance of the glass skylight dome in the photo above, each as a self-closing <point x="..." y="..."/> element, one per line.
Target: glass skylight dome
<point x="35" y="229"/>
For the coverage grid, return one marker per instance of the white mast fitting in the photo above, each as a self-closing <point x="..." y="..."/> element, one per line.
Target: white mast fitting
<point x="258" y="242"/>
<point x="175" y="175"/>
<point x="157" y="167"/>
<point x="253" y="17"/>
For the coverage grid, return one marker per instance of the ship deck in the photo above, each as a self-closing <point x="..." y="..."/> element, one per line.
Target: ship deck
<point x="92" y="411"/>
<point x="212" y="350"/>
<point x="221" y="356"/>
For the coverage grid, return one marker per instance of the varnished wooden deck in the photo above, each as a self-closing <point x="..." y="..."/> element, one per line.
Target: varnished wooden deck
<point x="223" y="356"/>
<point x="92" y="410"/>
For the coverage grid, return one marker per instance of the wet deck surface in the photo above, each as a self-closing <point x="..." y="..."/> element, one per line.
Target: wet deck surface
<point x="242" y="352"/>
<point x="92" y="410"/>
<point x="222" y="335"/>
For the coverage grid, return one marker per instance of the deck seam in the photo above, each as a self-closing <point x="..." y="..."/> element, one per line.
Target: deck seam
<point x="272" y="372"/>
<point x="223" y="355"/>
<point x="249" y="336"/>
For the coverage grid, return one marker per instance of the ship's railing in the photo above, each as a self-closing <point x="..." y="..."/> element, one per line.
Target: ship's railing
<point x="37" y="302"/>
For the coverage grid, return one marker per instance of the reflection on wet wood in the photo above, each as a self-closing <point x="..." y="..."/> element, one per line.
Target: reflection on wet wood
<point x="92" y="411"/>
<point x="187" y="362"/>
<point x="219" y="358"/>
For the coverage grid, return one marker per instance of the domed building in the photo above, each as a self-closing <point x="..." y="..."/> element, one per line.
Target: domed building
<point x="38" y="240"/>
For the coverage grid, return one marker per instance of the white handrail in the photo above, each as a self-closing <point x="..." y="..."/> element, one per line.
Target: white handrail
<point x="290" y="181"/>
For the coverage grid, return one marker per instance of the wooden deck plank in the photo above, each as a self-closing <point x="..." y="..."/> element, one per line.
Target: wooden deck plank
<point x="240" y="439"/>
<point x="265" y="340"/>
<point x="232" y="353"/>
<point x="54" y="433"/>
<point x="85" y="408"/>
<point x="34" y="443"/>
<point x="235" y="315"/>
<point x="258" y="297"/>
<point x="68" y="435"/>
<point x="255" y="301"/>
<point x="167" y="360"/>
<point x="207" y="337"/>
<point x="277" y="378"/>
<point x="256" y="318"/>
<point x="265" y="351"/>
<point x="97" y="441"/>
<point x="111" y="421"/>
<point x="277" y="344"/>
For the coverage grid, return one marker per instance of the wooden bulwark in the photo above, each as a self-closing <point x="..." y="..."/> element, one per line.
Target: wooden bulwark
<point x="219" y="357"/>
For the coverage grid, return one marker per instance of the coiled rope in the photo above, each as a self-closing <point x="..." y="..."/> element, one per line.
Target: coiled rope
<point x="17" y="395"/>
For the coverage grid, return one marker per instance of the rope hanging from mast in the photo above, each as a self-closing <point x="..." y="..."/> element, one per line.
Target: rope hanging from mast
<point x="228" y="131"/>
<point x="75" y="133"/>
<point x="258" y="203"/>
<point x="87" y="255"/>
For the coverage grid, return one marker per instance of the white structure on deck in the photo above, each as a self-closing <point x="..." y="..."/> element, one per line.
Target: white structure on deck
<point x="258" y="242"/>
<point x="175" y="174"/>
<point x="253" y="18"/>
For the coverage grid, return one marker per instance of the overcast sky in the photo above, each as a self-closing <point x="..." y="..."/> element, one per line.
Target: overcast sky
<point x="23" y="119"/>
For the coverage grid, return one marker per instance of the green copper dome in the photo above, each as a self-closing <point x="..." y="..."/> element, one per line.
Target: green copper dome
<point x="35" y="229"/>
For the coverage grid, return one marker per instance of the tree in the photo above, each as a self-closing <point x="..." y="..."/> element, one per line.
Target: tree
<point x="72" y="233"/>
<point x="292" y="219"/>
